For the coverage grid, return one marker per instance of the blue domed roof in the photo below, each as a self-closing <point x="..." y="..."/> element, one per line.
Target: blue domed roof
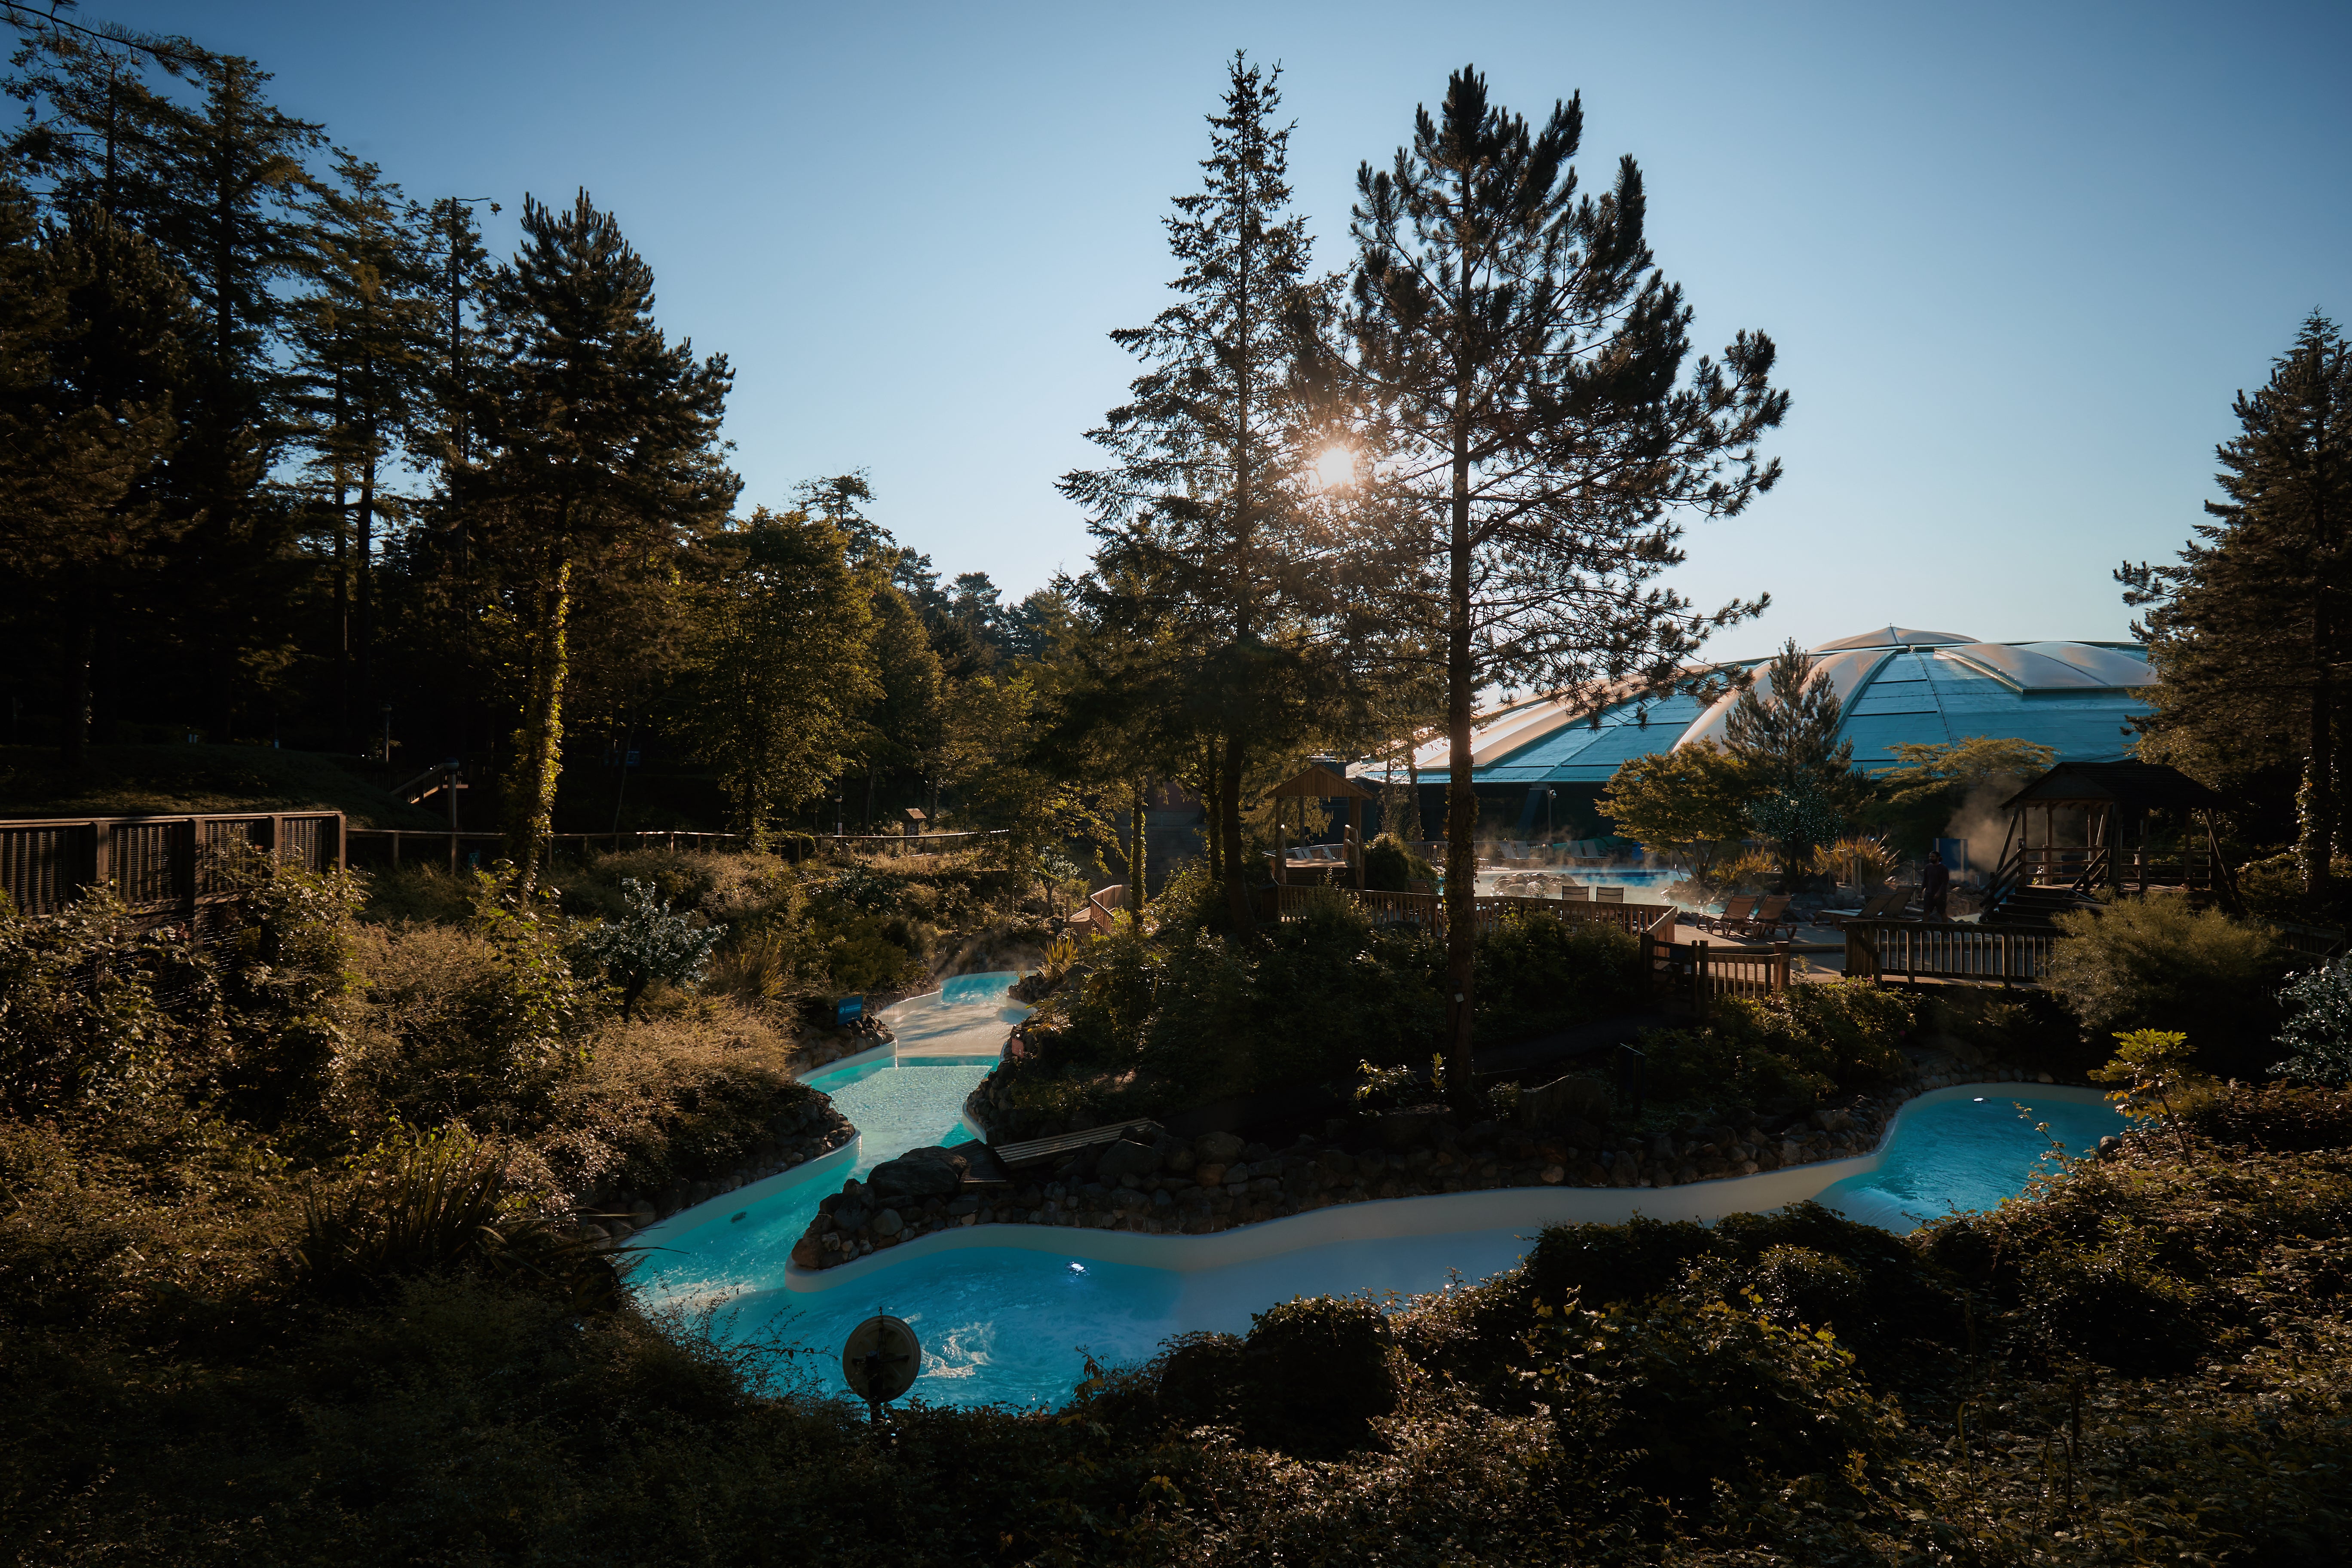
<point x="1898" y="685"/>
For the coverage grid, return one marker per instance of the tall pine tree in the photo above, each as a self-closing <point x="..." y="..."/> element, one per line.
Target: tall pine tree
<point x="1527" y="360"/>
<point x="596" y="456"/>
<point x="2251" y="632"/>
<point x="1203" y="509"/>
<point x="364" y="334"/>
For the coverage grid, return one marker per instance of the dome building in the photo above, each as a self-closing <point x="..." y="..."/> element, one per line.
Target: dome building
<point x="1897" y="686"/>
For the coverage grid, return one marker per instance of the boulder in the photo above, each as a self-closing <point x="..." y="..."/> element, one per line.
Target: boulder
<point x="1126" y="1157"/>
<point x="918" y="1173"/>
<point x="888" y="1223"/>
<point x="1575" y="1096"/>
<point x="808" y="1252"/>
<point x="1410" y="1127"/>
<point x="1216" y="1148"/>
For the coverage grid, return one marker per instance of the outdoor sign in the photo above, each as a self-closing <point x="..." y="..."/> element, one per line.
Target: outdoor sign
<point x="847" y="1011"/>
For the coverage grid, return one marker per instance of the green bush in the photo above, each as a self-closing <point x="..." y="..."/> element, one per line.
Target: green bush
<point x="1538" y="973"/>
<point x="2318" y="1034"/>
<point x="442" y="1205"/>
<point x="1390" y="865"/>
<point x="647" y="942"/>
<point x="2157" y="962"/>
<point x="80" y="1023"/>
<point x="1705" y="1394"/>
<point x="1847" y="1033"/>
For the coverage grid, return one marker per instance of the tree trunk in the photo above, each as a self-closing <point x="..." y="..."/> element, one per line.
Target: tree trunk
<point x="1212" y="818"/>
<point x="1229" y="807"/>
<point x="362" y="664"/>
<point x="1135" y="847"/>
<point x="1460" y="797"/>
<point x="2317" y="800"/>
<point x="538" y="745"/>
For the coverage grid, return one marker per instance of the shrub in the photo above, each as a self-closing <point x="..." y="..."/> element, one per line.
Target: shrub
<point x="1390" y="865"/>
<point x="1847" y="1033"/>
<point x="2318" y="1033"/>
<point x="1539" y="972"/>
<point x="284" y="980"/>
<point x="2155" y="962"/>
<point x="1706" y="1392"/>
<point x="80" y="1023"/>
<point x="646" y="944"/>
<point x="441" y="1205"/>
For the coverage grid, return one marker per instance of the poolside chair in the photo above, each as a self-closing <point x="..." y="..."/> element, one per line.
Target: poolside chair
<point x="1608" y="895"/>
<point x="1735" y="910"/>
<point x="1577" y="893"/>
<point x="1764" y="921"/>
<point x="1874" y="906"/>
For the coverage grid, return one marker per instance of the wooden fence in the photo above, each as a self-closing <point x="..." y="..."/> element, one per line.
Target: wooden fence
<point x="166" y="870"/>
<point x="1699" y="973"/>
<point x="1947" y="950"/>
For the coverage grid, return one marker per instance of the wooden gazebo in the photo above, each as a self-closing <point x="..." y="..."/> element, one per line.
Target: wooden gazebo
<point x="1319" y="783"/>
<point x="2087" y="828"/>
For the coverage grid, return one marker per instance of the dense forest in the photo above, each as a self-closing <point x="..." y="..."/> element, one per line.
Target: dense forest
<point x="292" y="460"/>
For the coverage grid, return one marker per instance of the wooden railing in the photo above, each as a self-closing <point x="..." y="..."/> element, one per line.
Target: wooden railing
<point x="164" y="869"/>
<point x="1428" y="909"/>
<point x="411" y="845"/>
<point x="1947" y="950"/>
<point x="1699" y="974"/>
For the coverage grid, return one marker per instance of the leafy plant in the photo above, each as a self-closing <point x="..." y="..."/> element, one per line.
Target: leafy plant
<point x="441" y="1204"/>
<point x="2157" y="963"/>
<point x="2153" y="1066"/>
<point x="2318" y="1033"/>
<point x="650" y="942"/>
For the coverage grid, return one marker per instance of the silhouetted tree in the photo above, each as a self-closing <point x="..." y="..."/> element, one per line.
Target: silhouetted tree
<point x="1527" y="360"/>
<point x="2251" y="634"/>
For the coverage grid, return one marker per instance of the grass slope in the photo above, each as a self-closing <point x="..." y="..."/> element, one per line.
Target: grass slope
<point x="133" y="781"/>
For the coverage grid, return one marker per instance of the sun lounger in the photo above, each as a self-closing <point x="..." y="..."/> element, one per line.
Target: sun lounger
<point x="1734" y="909"/>
<point x="1764" y="921"/>
<point x="1577" y="893"/>
<point x="1608" y="895"/>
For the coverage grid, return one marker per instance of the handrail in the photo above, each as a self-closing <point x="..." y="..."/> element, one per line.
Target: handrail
<point x="1947" y="950"/>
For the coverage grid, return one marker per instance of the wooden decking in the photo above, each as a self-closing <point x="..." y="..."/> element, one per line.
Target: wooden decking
<point x="1038" y="1151"/>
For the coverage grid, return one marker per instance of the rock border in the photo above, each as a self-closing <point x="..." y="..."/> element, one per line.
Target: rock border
<point x="1217" y="1183"/>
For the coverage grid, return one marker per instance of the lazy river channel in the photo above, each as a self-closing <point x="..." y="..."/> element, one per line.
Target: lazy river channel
<point x="1008" y="1313"/>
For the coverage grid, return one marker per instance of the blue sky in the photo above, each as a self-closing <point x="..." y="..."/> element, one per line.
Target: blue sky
<point x="2018" y="258"/>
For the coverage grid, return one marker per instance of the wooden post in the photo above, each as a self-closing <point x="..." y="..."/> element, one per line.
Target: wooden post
<point x="395" y="848"/>
<point x="1356" y="833"/>
<point x="1780" y="967"/>
<point x="1281" y="854"/>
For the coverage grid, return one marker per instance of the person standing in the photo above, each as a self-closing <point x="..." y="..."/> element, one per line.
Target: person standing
<point x="1935" y="888"/>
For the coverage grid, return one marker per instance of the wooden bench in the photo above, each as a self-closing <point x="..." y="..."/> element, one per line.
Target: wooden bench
<point x="1039" y="1151"/>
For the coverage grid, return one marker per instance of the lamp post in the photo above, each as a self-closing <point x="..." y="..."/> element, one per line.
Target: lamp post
<point x="1547" y="828"/>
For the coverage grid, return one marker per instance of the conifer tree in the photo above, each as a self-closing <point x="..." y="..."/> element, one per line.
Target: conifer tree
<point x="363" y="334"/>
<point x="1202" y="509"/>
<point x="89" y="363"/>
<point x="2251" y="633"/>
<point x="597" y="456"/>
<point x="1784" y="727"/>
<point x="1527" y="360"/>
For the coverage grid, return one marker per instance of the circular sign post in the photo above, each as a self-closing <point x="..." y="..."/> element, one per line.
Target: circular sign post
<point x="880" y="1361"/>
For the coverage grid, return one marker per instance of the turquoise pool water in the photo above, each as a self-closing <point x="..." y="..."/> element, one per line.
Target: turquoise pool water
<point x="1963" y="1155"/>
<point x="1008" y="1325"/>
